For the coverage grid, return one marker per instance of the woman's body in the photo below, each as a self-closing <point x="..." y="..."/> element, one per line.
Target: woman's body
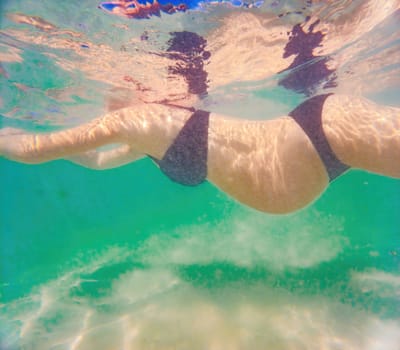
<point x="269" y="165"/>
<point x="272" y="165"/>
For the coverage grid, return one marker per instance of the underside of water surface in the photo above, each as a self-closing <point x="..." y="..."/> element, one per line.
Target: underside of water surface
<point x="127" y="259"/>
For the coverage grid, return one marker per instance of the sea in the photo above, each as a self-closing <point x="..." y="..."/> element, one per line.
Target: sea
<point x="127" y="259"/>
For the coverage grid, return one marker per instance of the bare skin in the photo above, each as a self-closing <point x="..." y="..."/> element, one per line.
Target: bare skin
<point x="269" y="165"/>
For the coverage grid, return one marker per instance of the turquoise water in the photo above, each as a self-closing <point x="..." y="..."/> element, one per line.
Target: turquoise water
<point x="77" y="242"/>
<point x="127" y="259"/>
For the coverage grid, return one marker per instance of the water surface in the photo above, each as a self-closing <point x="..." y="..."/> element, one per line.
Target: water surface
<point x="127" y="259"/>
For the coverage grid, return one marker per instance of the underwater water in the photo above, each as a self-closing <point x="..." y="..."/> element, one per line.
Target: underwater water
<point x="127" y="259"/>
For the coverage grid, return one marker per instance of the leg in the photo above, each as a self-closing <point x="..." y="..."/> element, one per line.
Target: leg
<point x="36" y="148"/>
<point x="274" y="166"/>
<point x="269" y="165"/>
<point x="101" y="160"/>
<point x="147" y="128"/>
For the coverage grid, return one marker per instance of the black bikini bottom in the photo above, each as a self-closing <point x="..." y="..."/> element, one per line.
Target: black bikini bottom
<point x="186" y="159"/>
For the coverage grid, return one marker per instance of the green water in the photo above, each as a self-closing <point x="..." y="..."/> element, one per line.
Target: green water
<point x="127" y="259"/>
<point x="80" y="233"/>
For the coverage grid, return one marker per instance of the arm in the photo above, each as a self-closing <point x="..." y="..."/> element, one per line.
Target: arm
<point x="269" y="165"/>
<point x="363" y="134"/>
